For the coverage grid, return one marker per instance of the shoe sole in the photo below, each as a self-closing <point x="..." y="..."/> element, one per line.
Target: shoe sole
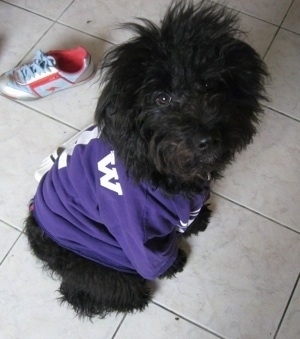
<point x="38" y="98"/>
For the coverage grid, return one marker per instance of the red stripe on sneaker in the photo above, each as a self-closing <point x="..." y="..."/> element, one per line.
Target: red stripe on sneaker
<point x="47" y="81"/>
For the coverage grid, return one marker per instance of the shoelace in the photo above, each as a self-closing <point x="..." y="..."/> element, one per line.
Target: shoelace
<point x="41" y="64"/>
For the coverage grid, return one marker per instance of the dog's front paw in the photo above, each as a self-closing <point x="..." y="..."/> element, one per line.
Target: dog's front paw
<point x="177" y="266"/>
<point x="200" y="223"/>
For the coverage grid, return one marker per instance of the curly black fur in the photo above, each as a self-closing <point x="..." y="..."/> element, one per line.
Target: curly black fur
<point x="91" y="289"/>
<point x="179" y="101"/>
<point x="200" y="223"/>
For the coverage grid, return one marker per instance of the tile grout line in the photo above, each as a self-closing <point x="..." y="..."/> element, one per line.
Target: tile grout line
<point x="278" y="29"/>
<point x="281" y="113"/>
<point x="55" y="21"/>
<point x="97" y="37"/>
<point x="188" y="320"/>
<point x="10" y="225"/>
<point x="44" y="114"/>
<point x="64" y="11"/>
<point x="86" y="33"/>
<point x="256" y="212"/>
<point x="271" y="43"/>
<point x="52" y="118"/>
<point x="287" y="12"/>
<point x="11" y="248"/>
<point x="38" y="40"/>
<point x="287" y="306"/>
<point x="119" y="326"/>
<point x="290" y="31"/>
<point x="39" y="14"/>
<point x="27" y="10"/>
<point x="261" y="19"/>
<point x="51" y="26"/>
<point x="238" y="11"/>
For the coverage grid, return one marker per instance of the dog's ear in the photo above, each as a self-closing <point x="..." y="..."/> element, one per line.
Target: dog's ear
<point x="126" y="71"/>
<point x="124" y="78"/>
<point x="245" y="72"/>
<point x="123" y="74"/>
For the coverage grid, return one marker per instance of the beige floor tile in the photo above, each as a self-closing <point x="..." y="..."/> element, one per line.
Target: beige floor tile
<point x="43" y="7"/>
<point x="283" y="62"/>
<point x="162" y="325"/>
<point x="26" y="138"/>
<point x="265" y="177"/>
<point x="268" y="10"/>
<point x="19" y="31"/>
<point x="292" y="21"/>
<point x="290" y="327"/>
<point x="238" y="277"/>
<point x="29" y="308"/>
<point x="8" y="236"/>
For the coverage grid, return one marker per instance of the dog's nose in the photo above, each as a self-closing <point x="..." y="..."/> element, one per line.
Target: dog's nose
<point x="208" y="141"/>
<point x="204" y="143"/>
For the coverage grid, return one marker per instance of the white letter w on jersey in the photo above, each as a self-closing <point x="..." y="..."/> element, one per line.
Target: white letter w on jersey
<point x="109" y="174"/>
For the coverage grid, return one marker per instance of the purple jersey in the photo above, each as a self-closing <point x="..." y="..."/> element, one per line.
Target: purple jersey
<point x="88" y="204"/>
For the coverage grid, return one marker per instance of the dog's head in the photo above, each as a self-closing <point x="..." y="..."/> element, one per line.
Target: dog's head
<point x="181" y="99"/>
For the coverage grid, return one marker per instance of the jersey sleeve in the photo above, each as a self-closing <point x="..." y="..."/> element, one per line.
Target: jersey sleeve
<point x="147" y="234"/>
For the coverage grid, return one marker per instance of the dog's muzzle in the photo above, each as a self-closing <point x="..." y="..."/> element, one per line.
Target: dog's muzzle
<point x="208" y="142"/>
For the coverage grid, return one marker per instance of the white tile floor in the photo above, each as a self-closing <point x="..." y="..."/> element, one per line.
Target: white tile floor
<point x="242" y="277"/>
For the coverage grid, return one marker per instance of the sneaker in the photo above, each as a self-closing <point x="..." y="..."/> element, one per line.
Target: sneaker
<point x="47" y="73"/>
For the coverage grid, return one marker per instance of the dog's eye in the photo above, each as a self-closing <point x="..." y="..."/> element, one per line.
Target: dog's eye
<point x="163" y="99"/>
<point x="208" y="84"/>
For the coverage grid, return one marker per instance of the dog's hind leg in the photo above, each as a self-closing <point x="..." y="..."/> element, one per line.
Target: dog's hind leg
<point x="43" y="247"/>
<point x="90" y="288"/>
<point x="94" y="290"/>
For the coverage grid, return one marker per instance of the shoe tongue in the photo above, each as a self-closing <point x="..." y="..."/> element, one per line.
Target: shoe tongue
<point x="43" y="60"/>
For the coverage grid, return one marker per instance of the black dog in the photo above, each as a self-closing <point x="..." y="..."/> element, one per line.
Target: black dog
<point x="179" y="101"/>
